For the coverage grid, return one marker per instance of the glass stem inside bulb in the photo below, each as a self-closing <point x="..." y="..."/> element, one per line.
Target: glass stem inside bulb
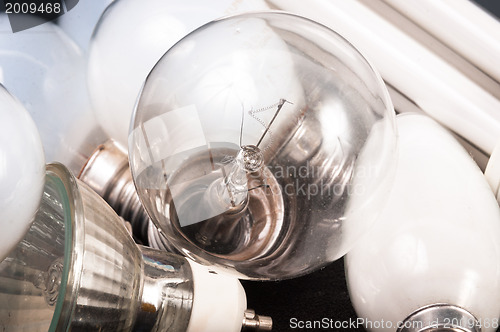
<point x="233" y="186"/>
<point x="226" y="200"/>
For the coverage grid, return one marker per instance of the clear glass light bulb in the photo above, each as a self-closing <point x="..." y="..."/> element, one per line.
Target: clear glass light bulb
<point x="77" y="269"/>
<point x="22" y="171"/>
<point x="261" y="143"/>
<point x="435" y="252"/>
<point x="130" y="38"/>
<point x="45" y="70"/>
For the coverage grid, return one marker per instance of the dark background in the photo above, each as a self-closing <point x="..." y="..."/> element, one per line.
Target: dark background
<point x="493" y="6"/>
<point x="322" y="294"/>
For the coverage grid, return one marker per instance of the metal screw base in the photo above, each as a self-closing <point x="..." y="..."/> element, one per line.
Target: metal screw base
<point x="440" y="317"/>
<point x="107" y="172"/>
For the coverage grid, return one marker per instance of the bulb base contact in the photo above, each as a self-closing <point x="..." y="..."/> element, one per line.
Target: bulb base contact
<point x="254" y="322"/>
<point x="440" y="317"/>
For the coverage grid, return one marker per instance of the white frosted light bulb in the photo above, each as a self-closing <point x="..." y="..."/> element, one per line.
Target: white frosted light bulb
<point x="45" y="70"/>
<point x="436" y="246"/>
<point x="22" y="171"/>
<point x="261" y="143"/>
<point x="130" y="38"/>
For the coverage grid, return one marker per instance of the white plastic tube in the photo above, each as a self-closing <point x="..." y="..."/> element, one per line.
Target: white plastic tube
<point x="492" y="172"/>
<point x="435" y="86"/>
<point x="438" y="239"/>
<point x="460" y="24"/>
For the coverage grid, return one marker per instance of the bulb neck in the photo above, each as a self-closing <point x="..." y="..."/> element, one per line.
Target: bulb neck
<point x="166" y="298"/>
<point x="440" y="317"/>
<point x="107" y="172"/>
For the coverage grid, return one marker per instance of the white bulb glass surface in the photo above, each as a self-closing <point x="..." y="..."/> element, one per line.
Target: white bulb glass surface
<point x="261" y="143"/>
<point x="438" y="239"/>
<point x="22" y="171"/>
<point x="130" y="38"/>
<point x="45" y="70"/>
<point x="80" y="21"/>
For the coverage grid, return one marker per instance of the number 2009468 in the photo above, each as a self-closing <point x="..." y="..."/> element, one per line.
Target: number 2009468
<point x="32" y="8"/>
